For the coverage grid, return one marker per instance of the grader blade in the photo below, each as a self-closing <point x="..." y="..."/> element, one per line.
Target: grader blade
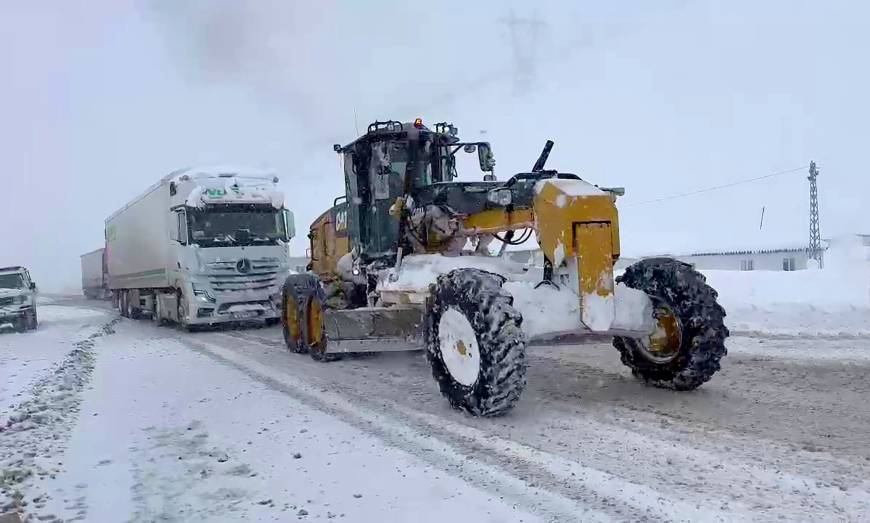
<point x="387" y="329"/>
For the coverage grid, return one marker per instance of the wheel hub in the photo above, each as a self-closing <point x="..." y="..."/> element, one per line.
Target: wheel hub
<point x="664" y="343"/>
<point x="459" y="348"/>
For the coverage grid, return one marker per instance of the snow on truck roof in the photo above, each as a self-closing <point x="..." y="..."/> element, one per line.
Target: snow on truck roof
<point x="229" y="184"/>
<point x="249" y="176"/>
<point x="219" y="171"/>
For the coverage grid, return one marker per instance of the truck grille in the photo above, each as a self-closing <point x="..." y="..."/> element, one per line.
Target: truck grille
<point x="6" y="301"/>
<point x="261" y="274"/>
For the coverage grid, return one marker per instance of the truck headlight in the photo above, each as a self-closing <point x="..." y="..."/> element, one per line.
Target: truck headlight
<point x="202" y="292"/>
<point x="20" y="300"/>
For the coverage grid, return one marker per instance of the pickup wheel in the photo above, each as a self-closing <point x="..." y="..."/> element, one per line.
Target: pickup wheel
<point x="20" y="324"/>
<point x="32" y="321"/>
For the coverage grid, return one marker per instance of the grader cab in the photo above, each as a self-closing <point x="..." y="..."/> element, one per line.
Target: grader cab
<point x="411" y="258"/>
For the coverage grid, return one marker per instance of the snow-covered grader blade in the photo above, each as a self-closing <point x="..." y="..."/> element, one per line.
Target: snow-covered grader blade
<point x="406" y="262"/>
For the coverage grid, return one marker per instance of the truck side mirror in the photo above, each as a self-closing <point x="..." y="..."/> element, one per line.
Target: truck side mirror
<point x="178" y="229"/>
<point x="289" y="224"/>
<point x="485" y="157"/>
<point x="33" y="286"/>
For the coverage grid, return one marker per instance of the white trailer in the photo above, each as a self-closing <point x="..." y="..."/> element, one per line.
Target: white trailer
<point x="201" y="246"/>
<point x="95" y="284"/>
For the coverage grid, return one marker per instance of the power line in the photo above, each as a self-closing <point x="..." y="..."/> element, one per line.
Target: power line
<point x="718" y="187"/>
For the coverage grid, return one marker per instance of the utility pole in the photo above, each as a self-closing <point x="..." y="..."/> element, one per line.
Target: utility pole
<point x="524" y="41"/>
<point x="815" y="247"/>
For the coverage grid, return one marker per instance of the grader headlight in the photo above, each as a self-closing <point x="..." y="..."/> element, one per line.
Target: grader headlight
<point x="501" y="197"/>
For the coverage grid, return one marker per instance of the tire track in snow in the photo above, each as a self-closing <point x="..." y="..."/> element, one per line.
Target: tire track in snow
<point x="423" y="445"/>
<point x="683" y="474"/>
<point x="560" y="477"/>
<point x="37" y="431"/>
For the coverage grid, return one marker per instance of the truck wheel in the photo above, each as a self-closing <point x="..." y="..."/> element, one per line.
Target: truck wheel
<point x="157" y="314"/>
<point x="474" y="342"/>
<point x="32" y="320"/>
<point x="181" y="312"/>
<point x="132" y="310"/>
<point x="689" y="340"/>
<point x="122" y="303"/>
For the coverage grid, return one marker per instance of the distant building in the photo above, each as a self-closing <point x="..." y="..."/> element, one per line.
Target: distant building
<point x="773" y="259"/>
<point x="790" y="258"/>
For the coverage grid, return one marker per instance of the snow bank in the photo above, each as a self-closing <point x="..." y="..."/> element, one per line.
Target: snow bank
<point x="418" y="271"/>
<point x="830" y="301"/>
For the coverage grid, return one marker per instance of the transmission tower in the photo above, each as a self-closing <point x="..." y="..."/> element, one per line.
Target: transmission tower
<point x="815" y="247"/>
<point x="524" y="34"/>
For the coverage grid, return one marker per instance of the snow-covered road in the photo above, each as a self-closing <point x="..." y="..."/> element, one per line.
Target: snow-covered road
<point x="137" y="422"/>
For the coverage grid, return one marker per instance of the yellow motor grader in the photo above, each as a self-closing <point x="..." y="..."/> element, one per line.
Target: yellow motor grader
<point x="411" y="258"/>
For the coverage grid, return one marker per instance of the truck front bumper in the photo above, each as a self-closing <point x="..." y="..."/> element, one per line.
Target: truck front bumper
<point x="206" y="313"/>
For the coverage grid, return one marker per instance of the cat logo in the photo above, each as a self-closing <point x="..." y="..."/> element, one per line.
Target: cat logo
<point x="341" y="220"/>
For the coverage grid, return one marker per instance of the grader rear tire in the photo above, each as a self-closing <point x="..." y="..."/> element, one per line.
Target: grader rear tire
<point x="474" y="342"/>
<point x="302" y="319"/>
<point x="689" y="342"/>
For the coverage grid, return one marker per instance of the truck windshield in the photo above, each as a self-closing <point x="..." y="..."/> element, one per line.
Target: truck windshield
<point x="11" y="281"/>
<point x="231" y="226"/>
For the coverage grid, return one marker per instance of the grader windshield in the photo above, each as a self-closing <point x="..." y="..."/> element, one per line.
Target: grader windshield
<point x="394" y="160"/>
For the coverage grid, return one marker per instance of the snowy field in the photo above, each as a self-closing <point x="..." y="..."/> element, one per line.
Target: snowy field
<point x="103" y="419"/>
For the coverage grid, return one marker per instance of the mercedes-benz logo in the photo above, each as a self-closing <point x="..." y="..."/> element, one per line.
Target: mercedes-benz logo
<point x="243" y="265"/>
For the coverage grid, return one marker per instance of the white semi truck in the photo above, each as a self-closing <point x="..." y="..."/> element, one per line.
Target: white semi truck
<point x="201" y="246"/>
<point x="94" y="277"/>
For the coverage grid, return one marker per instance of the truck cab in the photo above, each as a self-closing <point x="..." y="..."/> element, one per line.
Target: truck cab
<point x="17" y="299"/>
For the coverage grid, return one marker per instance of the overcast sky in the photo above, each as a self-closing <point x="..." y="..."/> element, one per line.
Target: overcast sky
<point x="99" y="99"/>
